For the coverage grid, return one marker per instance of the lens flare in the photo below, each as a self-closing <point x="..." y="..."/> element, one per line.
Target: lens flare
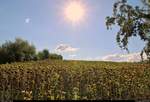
<point x="74" y="11"/>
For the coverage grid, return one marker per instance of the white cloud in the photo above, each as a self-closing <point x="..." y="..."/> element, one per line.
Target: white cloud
<point x="27" y="20"/>
<point x="65" y="48"/>
<point x="133" y="57"/>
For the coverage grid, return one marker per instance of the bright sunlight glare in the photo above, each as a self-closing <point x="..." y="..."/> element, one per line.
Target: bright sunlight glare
<point x="74" y="11"/>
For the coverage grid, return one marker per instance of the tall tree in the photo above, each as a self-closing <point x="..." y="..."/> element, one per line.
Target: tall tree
<point x="43" y="54"/>
<point x="133" y="21"/>
<point x="46" y="53"/>
<point x="20" y="50"/>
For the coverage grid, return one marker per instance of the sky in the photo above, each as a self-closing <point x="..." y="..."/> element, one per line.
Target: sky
<point x="42" y="23"/>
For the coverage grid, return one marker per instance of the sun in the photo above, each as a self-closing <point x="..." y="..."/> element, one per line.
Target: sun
<point x="74" y="11"/>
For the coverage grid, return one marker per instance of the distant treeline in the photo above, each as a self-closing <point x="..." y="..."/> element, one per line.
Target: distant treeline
<point x="20" y="50"/>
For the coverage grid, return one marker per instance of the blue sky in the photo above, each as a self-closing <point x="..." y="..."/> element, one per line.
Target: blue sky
<point x="42" y="23"/>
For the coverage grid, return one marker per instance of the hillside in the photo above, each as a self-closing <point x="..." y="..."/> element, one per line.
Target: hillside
<point x="55" y="80"/>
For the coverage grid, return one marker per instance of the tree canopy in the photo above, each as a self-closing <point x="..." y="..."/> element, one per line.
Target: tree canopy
<point x="20" y="50"/>
<point x="133" y="21"/>
<point x="45" y="54"/>
<point x="55" y="56"/>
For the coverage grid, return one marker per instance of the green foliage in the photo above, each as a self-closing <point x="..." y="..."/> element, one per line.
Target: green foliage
<point x="74" y="80"/>
<point x="43" y="55"/>
<point x="40" y="56"/>
<point x="133" y="21"/>
<point x="46" y="55"/>
<point x="19" y="50"/>
<point x="55" y="56"/>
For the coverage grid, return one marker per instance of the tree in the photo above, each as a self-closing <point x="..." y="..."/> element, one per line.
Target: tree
<point x="20" y="50"/>
<point x="17" y="51"/>
<point x="132" y="21"/>
<point x="55" y="56"/>
<point x="46" y="54"/>
<point x="24" y="51"/>
<point x="40" y="56"/>
<point x="43" y="55"/>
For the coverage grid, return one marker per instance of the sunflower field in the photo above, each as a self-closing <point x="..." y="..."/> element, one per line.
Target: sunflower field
<point x="74" y="80"/>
